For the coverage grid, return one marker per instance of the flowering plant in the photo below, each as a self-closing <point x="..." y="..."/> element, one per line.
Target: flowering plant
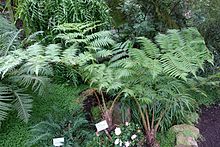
<point x="127" y="135"/>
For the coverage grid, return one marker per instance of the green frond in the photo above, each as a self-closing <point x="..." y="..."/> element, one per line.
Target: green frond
<point x="183" y="51"/>
<point x="5" y="99"/>
<point x="23" y="104"/>
<point x="8" y="63"/>
<point x="120" y="50"/>
<point x="100" y="34"/>
<point x="103" y="53"/>
<point x="69" y="55"/>
<point x="52" y="53"/>
<point x="102" y="42"/>
<point x="149" y="47"/>
<point x="9" y="36"/>
<point x="35" y="50"/>
<point x="36" y="83"/>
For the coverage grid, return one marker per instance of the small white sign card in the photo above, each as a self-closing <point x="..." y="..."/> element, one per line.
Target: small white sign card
<point x="58" y="141"/>
<point x="101" y="125"/>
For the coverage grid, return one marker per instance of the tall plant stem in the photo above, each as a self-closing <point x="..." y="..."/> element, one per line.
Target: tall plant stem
<point x="103" y="100"/>
<point x="142" y="115"/>
<point x="100" y="106"/>
<point x="147" y="119"/>
<point x="115" y="100"/>
<point x="152" y="121"/>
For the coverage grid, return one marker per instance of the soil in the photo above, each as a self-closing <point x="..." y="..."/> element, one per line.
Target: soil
<point x="209" y="126"/>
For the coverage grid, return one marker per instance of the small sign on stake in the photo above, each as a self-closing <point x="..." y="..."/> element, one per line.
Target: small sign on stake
<point x="101" y="125"/>
<point x="58" y="141"/>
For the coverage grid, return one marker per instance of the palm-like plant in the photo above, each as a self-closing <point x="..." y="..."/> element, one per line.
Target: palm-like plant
<point x="156" y="76"/>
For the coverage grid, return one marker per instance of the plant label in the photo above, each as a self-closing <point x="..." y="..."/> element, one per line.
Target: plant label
<point x="58" y="141"/>
<point x="101" y="125"/>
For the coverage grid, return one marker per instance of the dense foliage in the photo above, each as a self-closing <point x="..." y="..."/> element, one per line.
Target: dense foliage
<point x="147" y="73"/>
<point x="44" y="15"/>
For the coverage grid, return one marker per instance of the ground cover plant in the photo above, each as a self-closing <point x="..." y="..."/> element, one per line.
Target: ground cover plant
<point x="144" y="74"/>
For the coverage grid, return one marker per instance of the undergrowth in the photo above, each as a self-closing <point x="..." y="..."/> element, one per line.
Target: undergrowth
<point x="57" y="101"/>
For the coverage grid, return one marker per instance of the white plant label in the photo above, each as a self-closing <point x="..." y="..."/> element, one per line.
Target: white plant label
<point x="101" y="125"/>
<point x="58" y="141"/>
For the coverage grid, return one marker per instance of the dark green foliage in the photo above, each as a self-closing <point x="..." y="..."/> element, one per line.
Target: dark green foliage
<point x="147" y="17"/>
<point x="57" y="101"/>
<point x="44" y="15"/>
<point x="167" y="139"/>
<point x="65" y="74"/>
<point x="9" y="36"/>
<point x="13" y="132"/>
<point x="75" y="129"/>
<point x="146" y="72"/>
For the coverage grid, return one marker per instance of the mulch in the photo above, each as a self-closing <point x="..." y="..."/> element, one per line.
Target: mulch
<point x="209" y="126"/>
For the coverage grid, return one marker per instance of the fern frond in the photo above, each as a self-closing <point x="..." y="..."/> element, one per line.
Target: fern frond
<point x="102" y="42"/>
<point x="52" y="53"/>
<point x="103" y="53"/>
<point x="36" y="83"/>
<point x="5" y="99"/>
<point x="23" y="104"/>
<point x="8" y="63"/>
<point x="149" y="47"/>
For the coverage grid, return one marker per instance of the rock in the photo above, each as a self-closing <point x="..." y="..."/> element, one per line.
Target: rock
<point x="186" y="135"/>
<point x="187" y="130"/>
<point x="117" y="114"/>
<point x="185" y="141"/>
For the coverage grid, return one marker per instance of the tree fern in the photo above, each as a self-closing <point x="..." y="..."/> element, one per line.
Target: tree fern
<point x="175" y="54"/>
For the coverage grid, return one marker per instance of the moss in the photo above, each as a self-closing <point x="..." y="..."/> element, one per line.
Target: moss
<point x="166" y="139"/>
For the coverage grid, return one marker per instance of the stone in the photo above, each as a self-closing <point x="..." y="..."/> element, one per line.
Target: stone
<point x="186" y="135"/>
<point x="117" y="114"/>
<point x="185" y="141"/>
<point x="186" y="130"/>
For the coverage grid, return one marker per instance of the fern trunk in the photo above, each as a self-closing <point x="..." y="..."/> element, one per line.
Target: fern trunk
<point x="107" y="115"/>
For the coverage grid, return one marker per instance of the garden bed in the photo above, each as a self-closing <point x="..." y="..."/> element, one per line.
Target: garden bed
<point x="209" y="126"/>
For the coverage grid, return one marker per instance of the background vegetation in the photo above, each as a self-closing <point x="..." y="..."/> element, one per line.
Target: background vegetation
<point x="148" y="62"/>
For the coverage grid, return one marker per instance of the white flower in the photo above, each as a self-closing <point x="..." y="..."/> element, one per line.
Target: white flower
<point x="127" y="143"/>
<point x="120" y="144"/>
<point x="126" y="123"/>
<point x="133" y="136"/>
<point x="117" y="131"/>
<point x="117" y="141"/>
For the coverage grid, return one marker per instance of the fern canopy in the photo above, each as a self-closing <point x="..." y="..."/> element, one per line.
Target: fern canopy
<point x="176" y="53"/>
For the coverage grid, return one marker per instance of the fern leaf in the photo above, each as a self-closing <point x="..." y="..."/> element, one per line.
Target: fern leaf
<point x="5" y="99"/>
<point x="23" y="104"/>
<point x="150" y="48"/>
